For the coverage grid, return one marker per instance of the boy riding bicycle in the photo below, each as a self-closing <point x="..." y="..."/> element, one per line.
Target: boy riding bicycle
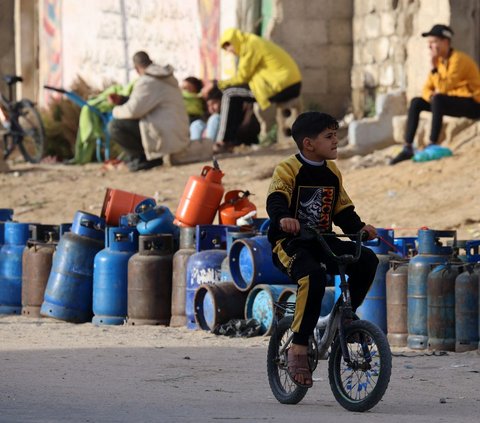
<point x="306" y="189"/>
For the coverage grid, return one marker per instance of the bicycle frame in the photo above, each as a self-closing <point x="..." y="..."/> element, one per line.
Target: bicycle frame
<point x="342" y="309"/>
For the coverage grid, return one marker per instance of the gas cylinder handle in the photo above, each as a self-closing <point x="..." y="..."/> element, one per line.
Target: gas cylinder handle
<point x="205" y="170"/>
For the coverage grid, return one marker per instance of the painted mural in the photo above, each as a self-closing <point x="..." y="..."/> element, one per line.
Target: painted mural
<point x="209" y="17"/>
<point x="51" y="46"/>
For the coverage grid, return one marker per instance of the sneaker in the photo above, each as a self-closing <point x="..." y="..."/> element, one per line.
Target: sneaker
<point x="405" y="154"/>
<point x="141" y="164"/>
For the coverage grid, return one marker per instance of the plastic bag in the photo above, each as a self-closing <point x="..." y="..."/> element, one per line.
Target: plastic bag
<point x="432" y="152"/>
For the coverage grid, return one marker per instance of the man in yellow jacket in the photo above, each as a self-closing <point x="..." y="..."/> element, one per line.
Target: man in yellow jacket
<point x="452" y="88"/>
<point x="266" y="73"/>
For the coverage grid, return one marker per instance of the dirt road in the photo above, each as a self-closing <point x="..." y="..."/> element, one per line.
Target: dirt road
<point x="60" y="372"/>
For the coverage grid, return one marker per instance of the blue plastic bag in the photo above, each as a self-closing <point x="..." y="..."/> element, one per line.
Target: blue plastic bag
<point x="432" y="152"/>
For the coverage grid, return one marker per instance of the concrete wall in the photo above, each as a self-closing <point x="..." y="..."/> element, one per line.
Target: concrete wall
<point x="7" y="48"/>
<point x="99" y="45"/>
<point x="318" y="34"/>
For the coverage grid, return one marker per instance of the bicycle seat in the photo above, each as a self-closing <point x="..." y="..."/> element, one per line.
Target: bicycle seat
<point x="12" y="79"/>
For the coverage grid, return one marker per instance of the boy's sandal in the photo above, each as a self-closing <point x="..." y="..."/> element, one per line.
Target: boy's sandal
<point x="297" y="364"/>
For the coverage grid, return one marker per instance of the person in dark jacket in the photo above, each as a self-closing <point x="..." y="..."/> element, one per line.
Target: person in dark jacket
<point x="306" y="189"/>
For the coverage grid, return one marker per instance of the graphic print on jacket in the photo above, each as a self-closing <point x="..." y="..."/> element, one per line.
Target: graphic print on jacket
<point x="315" y="206"/>
<point x="313" y="194"/>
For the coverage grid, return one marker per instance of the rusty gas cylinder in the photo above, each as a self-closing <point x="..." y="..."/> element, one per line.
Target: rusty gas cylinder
<point x="36" y="265"/>
<point x="441" y="306"/>
<point x="396" y="290"/>
<point x="179" y="279"/>
<point x="150" y="281"/>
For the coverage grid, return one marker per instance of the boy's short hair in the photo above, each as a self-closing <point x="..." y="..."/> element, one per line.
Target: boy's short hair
<point x="310" y="124"/>
<point x="197" y="83"/>
<point x="215" y="94"/>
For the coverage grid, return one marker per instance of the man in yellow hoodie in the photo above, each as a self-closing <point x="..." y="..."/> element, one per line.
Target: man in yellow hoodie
<point x="266" y="73"/>
<point x="452" y="88"/>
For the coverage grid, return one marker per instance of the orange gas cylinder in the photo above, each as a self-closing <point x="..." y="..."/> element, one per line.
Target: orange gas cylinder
<point x="118" y="203"/>
<point x="201" y="198"/>
<point x="235" y="205"/>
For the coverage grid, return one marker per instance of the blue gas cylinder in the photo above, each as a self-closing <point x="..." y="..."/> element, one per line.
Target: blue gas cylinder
<point x="5" y="216"/>
<point x="374" y="306"/>
<point x="251" y="264"/>
<point x="110" y="276"/>
<point x="203" y="267"/>
<point x="431" y="252"/>
<point x="405" y="246"/>
<point x="259" y="305"/>
<point x="16" y="237"/>
<point x="68" y="295"/>
<point x="158" y="220"/>
<point x="208" y="237"/>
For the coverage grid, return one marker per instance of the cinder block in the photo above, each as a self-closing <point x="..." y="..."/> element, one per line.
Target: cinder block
<point x="286" y="113"/>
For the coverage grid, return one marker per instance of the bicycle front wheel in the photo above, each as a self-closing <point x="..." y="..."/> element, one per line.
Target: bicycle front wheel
<point x="360" y="384"/>
<point x="282" y="386"/>
<point x="32" y="135"/>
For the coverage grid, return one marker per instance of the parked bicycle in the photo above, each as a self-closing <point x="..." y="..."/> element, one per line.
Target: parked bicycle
<point x="358" y="353"/>
<point x="23" y="125"/>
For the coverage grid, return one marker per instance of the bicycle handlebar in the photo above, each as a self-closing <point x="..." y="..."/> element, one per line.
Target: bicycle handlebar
<point x="310" y="233"/>
<point x="58" y="90"/>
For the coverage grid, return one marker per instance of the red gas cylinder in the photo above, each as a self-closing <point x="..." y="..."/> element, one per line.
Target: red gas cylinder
<point x="201" y="198"/>
<point x="118" y="203"/>
<point x="235" y="205"/>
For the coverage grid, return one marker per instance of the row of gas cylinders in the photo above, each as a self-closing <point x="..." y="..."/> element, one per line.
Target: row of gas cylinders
<point x="431" y="300"/>
<point x="85" y="272"/>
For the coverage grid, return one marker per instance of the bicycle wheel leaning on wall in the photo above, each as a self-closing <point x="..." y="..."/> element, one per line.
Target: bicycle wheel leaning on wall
<point x="32" y="132"/>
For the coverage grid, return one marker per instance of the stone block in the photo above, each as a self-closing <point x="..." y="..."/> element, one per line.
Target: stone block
<point x="381" y="47"/>
<point x="455" y="131"/>
<point x="286" y="114"/>
<point x="339" y="82"/>
<point x="387" y="23"/>
<point x="340" y="31"/>
<point x="315" y="81"/>
<point x="196" y="151"/>
<point x="369" y="134"/>
<point x="338" y="57"/>
<point x="372" y="26"/>
<point x="386" y="74"/>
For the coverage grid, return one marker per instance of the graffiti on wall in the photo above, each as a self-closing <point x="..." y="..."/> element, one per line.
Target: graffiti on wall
<point x="209" y="17"/>
<point x="51" y="45"/>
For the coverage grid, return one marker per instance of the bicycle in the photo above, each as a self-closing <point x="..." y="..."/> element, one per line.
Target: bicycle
<point x="359" y="360"/>
<point x="23" y="124"/>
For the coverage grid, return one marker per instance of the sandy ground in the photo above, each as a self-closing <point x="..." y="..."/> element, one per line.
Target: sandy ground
<point x="441" y="194"/>
<point x="58" y="372"/>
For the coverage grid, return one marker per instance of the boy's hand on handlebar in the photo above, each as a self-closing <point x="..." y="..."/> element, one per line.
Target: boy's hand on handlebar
<point x="370" y="230"/>
<point x="290" y="225"/>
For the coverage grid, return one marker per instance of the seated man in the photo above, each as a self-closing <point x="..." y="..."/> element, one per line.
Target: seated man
<point x="452" y="88"/>
<point x="266" y="74"/>
<point x="153" y="122"/>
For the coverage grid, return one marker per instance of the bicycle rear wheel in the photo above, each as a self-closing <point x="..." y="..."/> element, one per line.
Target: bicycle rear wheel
<point x="33" y="134"/>
<point x="360" y="385"/>
<point x="282" y="386"/>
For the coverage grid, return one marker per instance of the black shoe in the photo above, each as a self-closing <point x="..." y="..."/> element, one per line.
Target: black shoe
<point x="405" y="154"/>
<point x="141" y="164"/>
